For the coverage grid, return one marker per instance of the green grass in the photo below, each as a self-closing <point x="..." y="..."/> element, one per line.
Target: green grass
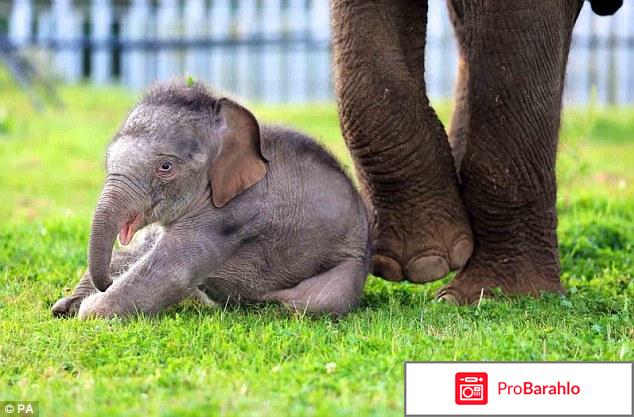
<point x="194" y="361"/>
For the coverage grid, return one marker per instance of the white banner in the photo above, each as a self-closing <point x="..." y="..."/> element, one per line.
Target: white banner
<point x="534" y="388"/>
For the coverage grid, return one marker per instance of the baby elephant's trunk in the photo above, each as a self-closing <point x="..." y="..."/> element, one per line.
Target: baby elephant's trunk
<point x="115" y="208"/>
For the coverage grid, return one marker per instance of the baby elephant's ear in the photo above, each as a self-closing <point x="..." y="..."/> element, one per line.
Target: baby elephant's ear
<point x="240" y="162"/>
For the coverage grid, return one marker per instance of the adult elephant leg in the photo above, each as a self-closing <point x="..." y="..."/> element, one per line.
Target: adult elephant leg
<point x="516" y="55"/>
<point x="398" y="144"/>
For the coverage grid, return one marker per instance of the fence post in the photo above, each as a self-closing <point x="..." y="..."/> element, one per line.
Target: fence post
<point x="246" y="20"/>
<point x="195" y="29"/>
<point x="448" y="52"/>
<point x="20" y="22"/>
<point x="621" y="27"/>
<point x="134" y="62"/>
<point x="101" y="56"/>
<point x="576" y="82"/>
<point x="167" y="28"/>
<point x="593" y="77"/>
<point x="629" y="46"/>
<point x="44" y="28"/>
<point x="67" y="31"/>
<point x="320" y="71"/>
<point x="221" y="64"/>
<point x="272" y="61"/>
<point x="612" y="73"/>
<point x="433" y="50"/>
<point x="296" y="20"/>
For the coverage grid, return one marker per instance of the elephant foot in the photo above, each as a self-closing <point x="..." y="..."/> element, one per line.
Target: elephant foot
<point x="422" y="242"/>
<point x="67" y="306"/>
<point x="94" y="306"/>
<point x="482" y="278"/>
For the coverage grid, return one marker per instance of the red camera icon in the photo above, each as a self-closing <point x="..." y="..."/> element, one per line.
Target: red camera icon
<point x="471" y="388"/>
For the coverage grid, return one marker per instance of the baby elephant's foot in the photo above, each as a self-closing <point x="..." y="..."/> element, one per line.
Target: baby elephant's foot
<point x="422" y="242"/>
<point x="67" y="306"/>
<point x="95" y="306"/>
<point x="510" y="276"/>
<point x="334" y="292"/>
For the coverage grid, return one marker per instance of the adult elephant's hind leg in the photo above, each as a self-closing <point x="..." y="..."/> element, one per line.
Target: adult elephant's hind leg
<point x="516" y="56"/>
<point x="399" y="146"/>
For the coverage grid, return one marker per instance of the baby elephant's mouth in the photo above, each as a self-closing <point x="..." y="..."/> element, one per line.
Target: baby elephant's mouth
<point x="129" y="229"/>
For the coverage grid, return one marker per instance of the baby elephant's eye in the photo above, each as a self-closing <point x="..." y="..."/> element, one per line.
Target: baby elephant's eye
<point x="166" y="169"/>
<point x="166" y="166"/>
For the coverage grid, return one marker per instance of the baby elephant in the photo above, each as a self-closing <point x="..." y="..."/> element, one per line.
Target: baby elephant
<point x="240" y="213"/>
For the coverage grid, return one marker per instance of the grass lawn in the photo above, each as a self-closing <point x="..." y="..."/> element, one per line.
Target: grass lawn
<point x="196" y="361"/>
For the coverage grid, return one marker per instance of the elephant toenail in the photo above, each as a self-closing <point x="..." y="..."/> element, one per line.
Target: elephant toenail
<point x="460" y="253"/>
<point x="426" y="268"/>
<point x="386" y="267"/>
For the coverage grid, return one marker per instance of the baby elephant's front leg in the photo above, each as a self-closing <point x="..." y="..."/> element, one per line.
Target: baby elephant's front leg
<point x="168" y="274"/>
<point x="68" y="306"/>
<point x="122" y="259"/>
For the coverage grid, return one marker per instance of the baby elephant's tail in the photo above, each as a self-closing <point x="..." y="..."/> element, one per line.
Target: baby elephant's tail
<point x="372" y="232"/>
<point x="369" y="248"/>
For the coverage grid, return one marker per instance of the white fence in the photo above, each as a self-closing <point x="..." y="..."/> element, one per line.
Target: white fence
<point x="268" y="50"/>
